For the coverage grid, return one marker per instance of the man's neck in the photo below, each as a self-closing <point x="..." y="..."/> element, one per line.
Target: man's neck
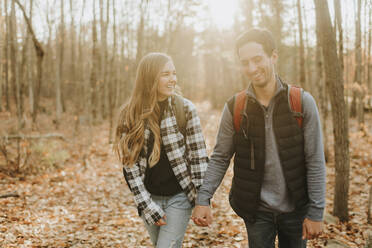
<point x="265" y="94"/>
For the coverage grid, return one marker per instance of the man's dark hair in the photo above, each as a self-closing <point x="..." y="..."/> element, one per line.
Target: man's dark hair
<point x="260" y="36"/>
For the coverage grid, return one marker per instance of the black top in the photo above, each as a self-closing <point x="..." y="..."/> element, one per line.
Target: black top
<point x="160" y="179"/>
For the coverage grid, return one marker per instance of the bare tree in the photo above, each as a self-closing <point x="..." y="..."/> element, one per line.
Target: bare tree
<point x="337" y="4"/>
<point x="356" y="108"/>
<point x="301" y="48"/>
<point x="14" y="62"/>
<point x="81" y="85"/>
<point x="359" y="68"/>
<point x="59" y="79"/>
<point x="295" y="56"/>
<point x="247" y="10"/>
<point x="72" y="45"/>
<point x="140" y="30"/>
<point x="40" y="55"/>
<point x="94" y="67"/>
<point x="309" y="56"/>
<point x="322" y="92"/>
<point x="30" y="75"/>
<point x="113" y="81"/>
<point x="369" y="62"/>
<point x="335" y="86"/>
<point x="2" y="31"/>
<point x="103" y="99"/>
<point x="4" y="59"/>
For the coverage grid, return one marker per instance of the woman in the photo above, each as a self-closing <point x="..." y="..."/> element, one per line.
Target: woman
<point x="163" y="166"/>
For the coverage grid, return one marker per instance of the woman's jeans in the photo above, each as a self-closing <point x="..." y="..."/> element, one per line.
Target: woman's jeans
<point x="177" y="210"/>
<point x="288" y="227"/>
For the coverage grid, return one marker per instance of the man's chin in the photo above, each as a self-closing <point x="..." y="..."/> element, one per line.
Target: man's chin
<point x="259" y="84"/>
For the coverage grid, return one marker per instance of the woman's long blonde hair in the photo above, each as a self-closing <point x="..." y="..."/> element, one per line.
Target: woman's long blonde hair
<point x="142" y="109"/>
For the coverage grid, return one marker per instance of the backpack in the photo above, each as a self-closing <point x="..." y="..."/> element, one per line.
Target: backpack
<point x="179" y="111"/>
<point x="295" y="100"/>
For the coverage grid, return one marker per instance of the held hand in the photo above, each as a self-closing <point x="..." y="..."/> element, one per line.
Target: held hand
<point x="311" y="229"/>
<point x="202" y="215"/>
<point x="162" y="221"/>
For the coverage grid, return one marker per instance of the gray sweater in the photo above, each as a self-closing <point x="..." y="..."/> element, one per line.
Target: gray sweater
<point x="274" y="193"/>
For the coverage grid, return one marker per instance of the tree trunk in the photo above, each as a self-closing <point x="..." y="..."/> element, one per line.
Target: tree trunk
<point x="59" y="79"/>
<point x="2" y="31"/>
<point x="112" y="77"/>
<point x="140" y="32"/>
<point x="5" y="61"/>
<point x="278" y="11"/>
<point x="49" y="64"/>
<point x="72" y="46"/>
<point x="7" y="56"/>
<point x="14" y="63"/>
<point x="302" y="48"/>
<point x="356" y="108"/>
<point x="81" y="86"/>
<point x="40" y="55"/>
<point x="322" y="93"/>
<point x="295" y="73"/>
<point x="359" y="67"/>
<point x="93" y="76"/>
<point x="30" y="74"/>
<point x="369" y="62"/>
<point x="104" y="105"/>
<point x="335" y="86"/>
<point x="309" y="57"/>
<point x="338" y="17"/>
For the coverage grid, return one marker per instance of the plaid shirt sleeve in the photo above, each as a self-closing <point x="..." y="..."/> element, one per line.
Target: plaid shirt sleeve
<point x="197" y="153"/>
<point x="149" y="209"/>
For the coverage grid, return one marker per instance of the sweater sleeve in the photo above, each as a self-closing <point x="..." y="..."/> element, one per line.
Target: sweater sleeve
<point x="220" y="159"/>
<point x="314" y="158"/>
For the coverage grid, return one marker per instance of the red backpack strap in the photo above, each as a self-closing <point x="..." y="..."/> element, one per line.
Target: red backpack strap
<point x="240" y="99"/>
<point x="295" y="99"/>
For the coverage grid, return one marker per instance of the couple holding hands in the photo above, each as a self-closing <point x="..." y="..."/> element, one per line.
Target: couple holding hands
<point x="278" y="187"/>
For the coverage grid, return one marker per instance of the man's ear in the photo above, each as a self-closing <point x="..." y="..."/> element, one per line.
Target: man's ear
<point x="274" y="56"/>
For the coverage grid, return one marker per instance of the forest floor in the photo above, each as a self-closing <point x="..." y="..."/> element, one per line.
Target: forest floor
<point x="79" y="198"/>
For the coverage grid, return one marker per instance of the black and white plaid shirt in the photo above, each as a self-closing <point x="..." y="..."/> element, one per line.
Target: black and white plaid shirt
<point x="187" y="156"/>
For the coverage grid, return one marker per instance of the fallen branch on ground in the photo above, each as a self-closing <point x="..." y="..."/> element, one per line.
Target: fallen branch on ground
<point x="13" y="194"/>
<point x="45" y="136"/>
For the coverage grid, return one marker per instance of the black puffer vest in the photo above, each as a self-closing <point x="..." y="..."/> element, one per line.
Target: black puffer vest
<point x="249" y="161"/>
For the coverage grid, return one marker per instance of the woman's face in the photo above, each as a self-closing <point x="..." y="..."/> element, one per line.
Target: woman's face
<point x="167" y="81"/>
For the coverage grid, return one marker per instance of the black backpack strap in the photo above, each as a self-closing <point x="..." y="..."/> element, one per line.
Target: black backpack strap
<point x="179" y="110"/>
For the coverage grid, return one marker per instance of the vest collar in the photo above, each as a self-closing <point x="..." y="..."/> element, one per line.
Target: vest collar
<point x="279" y="88"/>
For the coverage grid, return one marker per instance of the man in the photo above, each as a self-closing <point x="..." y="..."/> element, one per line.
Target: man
<point x="278" y="186"/>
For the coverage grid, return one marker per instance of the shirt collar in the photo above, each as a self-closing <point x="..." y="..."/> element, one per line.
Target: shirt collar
<point x="279" y="88"/>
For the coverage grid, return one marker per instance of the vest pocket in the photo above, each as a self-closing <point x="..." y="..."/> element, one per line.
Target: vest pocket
<point x="245" y="163"/>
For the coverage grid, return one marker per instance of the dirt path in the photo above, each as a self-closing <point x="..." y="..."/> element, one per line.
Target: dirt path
<point x="89" y="205"/>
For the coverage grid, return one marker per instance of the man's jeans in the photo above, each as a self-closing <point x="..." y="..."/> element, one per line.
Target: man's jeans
<point x="177" y="210"/>
<point x="288" y="227"/>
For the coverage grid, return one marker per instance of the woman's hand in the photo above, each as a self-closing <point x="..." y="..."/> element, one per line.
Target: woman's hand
<point x="162" y="221"/>
<point x="202" y="215"/>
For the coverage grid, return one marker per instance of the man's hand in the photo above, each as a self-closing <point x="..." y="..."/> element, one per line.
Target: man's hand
<point x="202" y="215"/>
<point x="311" y="229"/>
<point x="162" y="221"/>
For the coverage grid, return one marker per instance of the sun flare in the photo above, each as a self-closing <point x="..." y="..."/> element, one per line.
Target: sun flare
<point x="222" y="12"/>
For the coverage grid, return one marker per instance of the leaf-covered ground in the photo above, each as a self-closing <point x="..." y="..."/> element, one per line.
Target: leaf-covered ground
<point x="86" y="203"/>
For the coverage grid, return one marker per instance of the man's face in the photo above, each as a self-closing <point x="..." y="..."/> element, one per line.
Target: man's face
<point x="257" y="65"/>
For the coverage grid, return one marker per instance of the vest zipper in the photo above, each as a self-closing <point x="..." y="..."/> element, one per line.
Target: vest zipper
<point x="252" y="156"/>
